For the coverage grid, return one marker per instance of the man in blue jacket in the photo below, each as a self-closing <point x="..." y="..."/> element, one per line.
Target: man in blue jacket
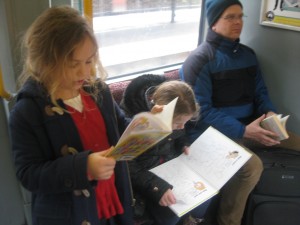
<point x="227" y="79"/>
<point x="229" y="87"/>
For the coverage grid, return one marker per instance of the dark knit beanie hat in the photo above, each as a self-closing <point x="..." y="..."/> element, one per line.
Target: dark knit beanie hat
<point x="215" y="8"/>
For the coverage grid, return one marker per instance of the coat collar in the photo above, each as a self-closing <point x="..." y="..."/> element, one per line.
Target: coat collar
<point x="222" y="42"/>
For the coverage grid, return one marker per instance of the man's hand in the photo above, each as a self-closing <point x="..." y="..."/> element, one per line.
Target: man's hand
<point x="255" y="132"/>
<point x="270" y="114"/>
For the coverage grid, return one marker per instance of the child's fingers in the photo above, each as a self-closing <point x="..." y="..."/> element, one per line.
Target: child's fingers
<point x="157" y="109"/>
<point x="107" y="151"/>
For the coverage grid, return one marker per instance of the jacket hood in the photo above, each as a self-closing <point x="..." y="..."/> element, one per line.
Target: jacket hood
<point x="136" y="96"/>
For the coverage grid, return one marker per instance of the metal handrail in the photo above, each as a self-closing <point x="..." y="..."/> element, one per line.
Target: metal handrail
<point x="3" y="93"/>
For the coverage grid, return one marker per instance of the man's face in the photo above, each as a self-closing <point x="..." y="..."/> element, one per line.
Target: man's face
<point x="230" y="24"/>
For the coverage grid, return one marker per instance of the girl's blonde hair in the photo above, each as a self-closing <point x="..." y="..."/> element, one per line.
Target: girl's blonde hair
<point x="48" y="46"/>
<point x="186" y="103"/>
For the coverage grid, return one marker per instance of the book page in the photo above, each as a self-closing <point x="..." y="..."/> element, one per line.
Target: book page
<point x="213" y="160"/>
<point x="136" y="144"/>
<point x="166" y="116"/>
<point x="145" y="130"/>
<point x="142" y="123"/>
<point x="283" y="121"/>
<point x="276" y="124"/>
<point x="149" y="122"/>
<point x="216" y="157"/>
<point x="189" y="188"/>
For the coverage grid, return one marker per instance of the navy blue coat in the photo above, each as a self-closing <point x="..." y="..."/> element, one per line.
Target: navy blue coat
<point x="51" y="163"/>
<point x="228" y="85"/>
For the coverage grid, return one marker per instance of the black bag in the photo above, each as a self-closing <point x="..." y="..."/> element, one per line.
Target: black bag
<point x="276" y="198"/>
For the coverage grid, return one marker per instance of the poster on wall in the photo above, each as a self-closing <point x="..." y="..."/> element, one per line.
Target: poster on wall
<point x="281" y="13"/>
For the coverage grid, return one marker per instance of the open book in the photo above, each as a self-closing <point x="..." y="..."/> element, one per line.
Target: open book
<point x="213" y="160"/>
<point x="144" y="131"/>
<point x="277" y="124"/>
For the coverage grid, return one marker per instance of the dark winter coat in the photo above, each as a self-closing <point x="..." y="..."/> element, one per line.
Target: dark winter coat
<point x="136" y="99"/>
<point x="147" y="183"/>
<point x="51" y="162"/>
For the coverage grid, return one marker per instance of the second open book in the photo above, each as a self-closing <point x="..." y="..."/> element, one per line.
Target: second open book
<point x="213" y="160"/>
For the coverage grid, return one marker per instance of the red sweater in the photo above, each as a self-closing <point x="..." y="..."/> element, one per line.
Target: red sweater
<point x="92" y="132"/>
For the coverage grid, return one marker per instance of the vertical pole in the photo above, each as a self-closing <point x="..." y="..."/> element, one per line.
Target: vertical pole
<point x="88" y="10"/>
<point x="173" y="7"/>
<point x="3" y="93"/>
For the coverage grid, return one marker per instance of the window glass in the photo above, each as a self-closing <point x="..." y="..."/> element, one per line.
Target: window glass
<point x="136" y="36"/>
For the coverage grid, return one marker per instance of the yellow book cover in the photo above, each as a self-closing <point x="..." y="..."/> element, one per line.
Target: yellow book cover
<point x="144" y="131"/>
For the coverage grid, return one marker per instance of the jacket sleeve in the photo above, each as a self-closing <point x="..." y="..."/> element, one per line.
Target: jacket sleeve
<point x="195" y="71"/>
<point x="146" y="182"/>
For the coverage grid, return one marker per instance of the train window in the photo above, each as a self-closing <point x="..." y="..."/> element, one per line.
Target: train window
<point x="136" y="36"/>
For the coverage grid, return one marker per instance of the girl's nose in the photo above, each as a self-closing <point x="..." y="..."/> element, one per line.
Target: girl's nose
<point x="84" y="70"/>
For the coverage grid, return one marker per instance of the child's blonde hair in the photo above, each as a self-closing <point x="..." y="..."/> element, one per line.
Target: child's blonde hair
<point x="48" y="46"/>
<point x="186" y="103"/>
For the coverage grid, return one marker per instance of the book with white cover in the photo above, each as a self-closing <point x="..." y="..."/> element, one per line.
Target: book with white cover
<point x="213" y="160"/>
<point x="277" y="124"/>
